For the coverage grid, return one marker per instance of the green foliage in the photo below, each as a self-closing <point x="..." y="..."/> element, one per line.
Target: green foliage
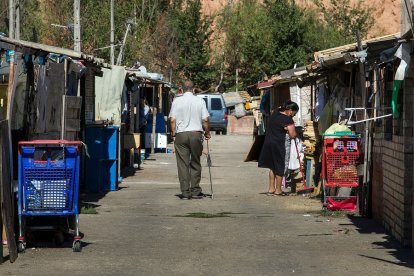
<point x="263" y="39"/>
<point x="95" y="24"/>
<point x="247" y="42"/>
<point x="346" y="18"/>
<point x="288" y="30"/>
<point x="88" y="210"/>
<point x="192" y="34"/>
<point x="256" y="38"/>
<point x="320" y="35"/>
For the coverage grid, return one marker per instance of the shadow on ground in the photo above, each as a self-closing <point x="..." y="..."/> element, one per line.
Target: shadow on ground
<point x="394" y="248"/>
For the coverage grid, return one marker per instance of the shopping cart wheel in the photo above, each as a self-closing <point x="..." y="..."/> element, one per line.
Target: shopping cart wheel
<point x="77" y="247"/>
<point x="21" y="247"/>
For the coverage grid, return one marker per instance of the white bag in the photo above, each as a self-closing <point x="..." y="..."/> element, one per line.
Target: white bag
<point x="293" y="158"/>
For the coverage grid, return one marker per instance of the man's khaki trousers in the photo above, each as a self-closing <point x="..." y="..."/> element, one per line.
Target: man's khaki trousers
<point x="188" y="149"/>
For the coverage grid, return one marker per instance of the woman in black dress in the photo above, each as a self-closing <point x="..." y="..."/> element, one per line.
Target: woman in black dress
<point x="276" y="148"/>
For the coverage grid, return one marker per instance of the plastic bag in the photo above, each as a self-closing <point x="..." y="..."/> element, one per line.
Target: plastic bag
<point x="337" y="128"/>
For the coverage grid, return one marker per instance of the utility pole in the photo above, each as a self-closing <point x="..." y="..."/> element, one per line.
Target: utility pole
<point x="11" y="18"/>
<point x="142" y="9"/>
<point x="17" y="30"/>
<point x="76" y="33"/>
<point x="237" y="79"/>
<point x="112" y="33"/>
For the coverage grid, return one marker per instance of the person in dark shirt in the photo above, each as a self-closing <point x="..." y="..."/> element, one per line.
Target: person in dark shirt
<point x="276" y="148"/>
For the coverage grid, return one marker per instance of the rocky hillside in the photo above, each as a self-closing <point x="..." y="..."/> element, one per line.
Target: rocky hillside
<point x="386" y="13"/>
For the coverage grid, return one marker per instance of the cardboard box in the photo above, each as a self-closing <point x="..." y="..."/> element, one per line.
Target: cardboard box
<point x="132" y="141"/>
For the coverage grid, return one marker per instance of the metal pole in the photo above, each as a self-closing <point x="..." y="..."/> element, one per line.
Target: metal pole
<point x="10" y="101"/>
<point x="121" y="51"/>
<point x="112" y="34"/>
<point x="361" y="72"/>
<point x="209" y="170"/>
<point x="367" y="134"/>
<point x="154" y="124"/>
<point x="11" y="18"/>
<point x="299" y="102"/>
<point x="63" y="120"/>
<point x="237" y="79"/>
<point x="76" y="33"/>
<point x="17" y="30"/>
<point x="142" y="9"/>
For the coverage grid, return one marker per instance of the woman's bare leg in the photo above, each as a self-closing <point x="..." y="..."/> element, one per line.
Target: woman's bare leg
<point x="278" y="188"/>
<point x="271" y="182"/>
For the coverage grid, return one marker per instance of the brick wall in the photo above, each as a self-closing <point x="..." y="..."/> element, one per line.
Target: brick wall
<point x="243" y="125"/>
<point x="392" y="172"/>
<point x="396" y="200"/>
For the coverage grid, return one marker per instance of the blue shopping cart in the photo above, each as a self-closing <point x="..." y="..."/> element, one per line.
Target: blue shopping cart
<point x="48" y="184"/>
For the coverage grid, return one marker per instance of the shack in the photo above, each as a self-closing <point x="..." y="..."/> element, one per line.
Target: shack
<point x="41" y="100"/>
<point x="359" y="86"/>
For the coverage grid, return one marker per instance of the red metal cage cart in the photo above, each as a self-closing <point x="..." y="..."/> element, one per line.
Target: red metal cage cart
<point x="340" y="160"/>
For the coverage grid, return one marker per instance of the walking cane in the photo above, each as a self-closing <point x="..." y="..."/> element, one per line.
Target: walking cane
<point x="209" y="170"/>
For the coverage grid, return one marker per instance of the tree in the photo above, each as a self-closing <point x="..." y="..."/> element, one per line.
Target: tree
<point x="256" y="38"/>
<point x="246" y="42"/>
<point x="192" y="33"/>
<point x="262" y="39"/>
<point x="95" y="24"/>
<point x="345" y="18"/>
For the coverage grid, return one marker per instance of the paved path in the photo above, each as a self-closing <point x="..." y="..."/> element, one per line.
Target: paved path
<point x="142" y="229"/>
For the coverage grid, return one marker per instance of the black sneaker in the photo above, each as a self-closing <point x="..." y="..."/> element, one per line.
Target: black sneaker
<point x="184" y="197"/>
<point x="199" y="196"/>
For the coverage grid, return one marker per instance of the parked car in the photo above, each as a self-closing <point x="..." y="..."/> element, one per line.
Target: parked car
<point x="218" y="112"/>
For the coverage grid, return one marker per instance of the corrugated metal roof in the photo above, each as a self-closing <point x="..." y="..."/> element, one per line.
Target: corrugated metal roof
<point x="22" y="46"/>
<point x="336" y="54"/>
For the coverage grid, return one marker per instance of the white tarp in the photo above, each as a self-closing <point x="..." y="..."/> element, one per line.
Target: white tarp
<point x="108" y="94"/>
<point x="232" y="99"/>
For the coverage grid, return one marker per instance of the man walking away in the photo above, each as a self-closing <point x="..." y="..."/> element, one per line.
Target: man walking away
<point x="188" y="119"/>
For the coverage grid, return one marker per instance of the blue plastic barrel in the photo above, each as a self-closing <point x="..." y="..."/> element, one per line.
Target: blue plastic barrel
<point x="101" y="174"/>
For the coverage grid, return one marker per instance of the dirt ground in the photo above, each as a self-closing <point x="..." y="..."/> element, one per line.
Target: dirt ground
<point x="144" y="229"/>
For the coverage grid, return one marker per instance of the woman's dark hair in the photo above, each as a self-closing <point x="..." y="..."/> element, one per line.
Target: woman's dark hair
<point x="289" y="105"/>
